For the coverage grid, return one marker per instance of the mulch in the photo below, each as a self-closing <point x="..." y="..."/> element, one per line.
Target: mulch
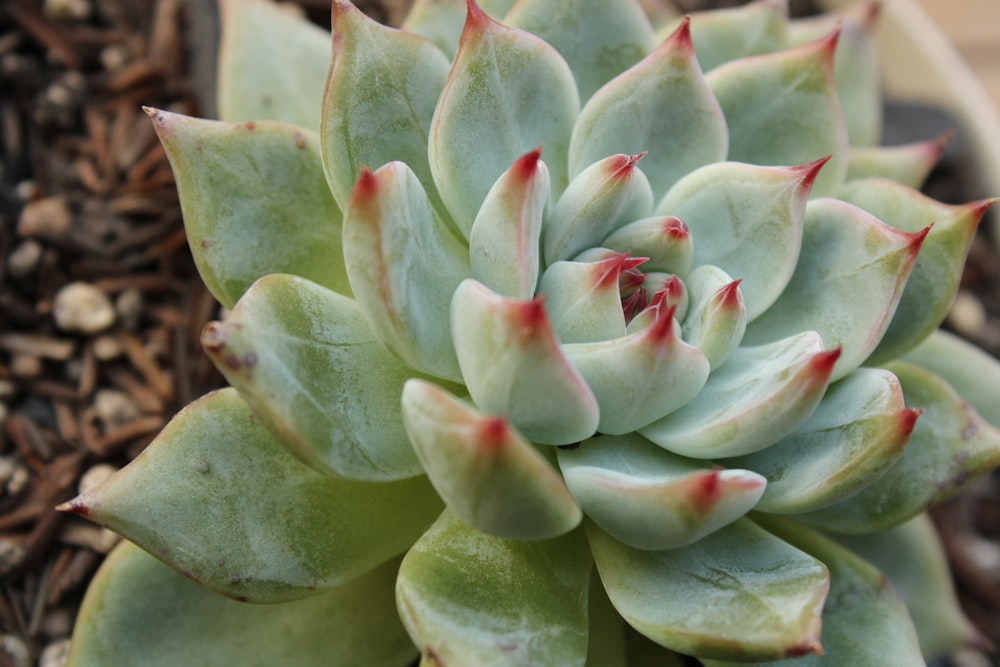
<point x="89" y="375"/>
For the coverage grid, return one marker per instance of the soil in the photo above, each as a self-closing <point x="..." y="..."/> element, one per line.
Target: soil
<point x="89" y="375"/>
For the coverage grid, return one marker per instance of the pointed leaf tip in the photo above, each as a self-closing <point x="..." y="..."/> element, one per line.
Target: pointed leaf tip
<point x="662" y="329"/>
<point x="621" y="167"/>
<point x="810" y="172"/>
<point x="531" y="317"/>
<point x="494" y="433"/>
<point x="608" y="271"/>
<point x="526" y="166"/>
<point x="75" y="506"/>
<point x="729" y="295"/>
<point x="365" y="187"/>
<point x="680" y="39"/>
<point x="675" y="228"/>
<point x="475" y="18"/>
<point x="908" y="421"/>
<point x="824" y="362"/>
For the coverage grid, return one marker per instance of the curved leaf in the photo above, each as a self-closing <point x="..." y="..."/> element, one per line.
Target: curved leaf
<point x="717" y="318"/>
<point x="909" y="164"/>
<point x="489" y="476"/>
<point x="467" y="598"/>
<point x="304" y="358"/>
<point x="367" y="126"/>
<point x="665" y="242"/>
<point x="254" y="201"/>
<point x="217" y="498"/>
<point x="738" y="594"/>
<point x="140" y="612"/>
<point x="441" y="21"/>
<point x="627" y="116"/>
<point x="651" y="499"/>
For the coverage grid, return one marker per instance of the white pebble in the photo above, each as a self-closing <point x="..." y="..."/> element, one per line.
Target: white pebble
<point x="107" y="347"/>
<point x="55" y="654"/>
<point x="67" y="10"/>
<point x="115" y="408"/>
<point x="23" y="260"/>
<point x="95" y="475"/>
<point x="16" y="650"/>
<point x="967" y="314"/>
<point x="48" y="218"/>
<point x="82" y="308"/>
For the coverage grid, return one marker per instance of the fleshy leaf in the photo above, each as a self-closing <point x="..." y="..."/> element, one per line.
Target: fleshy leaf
<point x="950" y="444"/>
<point x="217" y="498"/>
<point x="306" y="361"/>
<point x="855" y="66"/>
<point x="640" y="377"/>
<point x="718" y="315"/>
<point x="665" y="242"/>
<point x="912" y="556"/>
<point x="404" y="264"/>
<point x="261" y="43"/>
<point x="738" y="594"/>
<point x="441" y="21"/>
<point x="628" y="116"/>
<point x="758" y="397"/>
<point x="857" y="432"/>
<point x="365" y="125"/>
<point x="583" y="299"/>
<point x="604" y="196"/>
<point x="140" y="612"/>
<point x="254" y="201"/>
<point x="651" y="499"/>
<point x="847" y="284"/>
<point x="512" y="366"/>
<point x="728" y="33"/>
<point x="933" y="283"/>
<point x="782" y="109"/>
<point x="598" y="38"/>
<point x="864" y="620"/>
<point x="468" y="598"/>
<point x="508" y="92"/>
<point x="909" y="164"/>
<point x="489" y="476"/>
<point x="504" y="245"/>
<point x="974" y="374"/>
<point x="606" y="631"/>
<point x="747" y="220"/>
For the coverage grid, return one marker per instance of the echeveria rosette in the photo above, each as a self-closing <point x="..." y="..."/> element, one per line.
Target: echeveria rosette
<point x="591" y="341"/>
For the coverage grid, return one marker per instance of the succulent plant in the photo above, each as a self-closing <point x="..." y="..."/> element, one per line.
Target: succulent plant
<point x="554" y="339"/>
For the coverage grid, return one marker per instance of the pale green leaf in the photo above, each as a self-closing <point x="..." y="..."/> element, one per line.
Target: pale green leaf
<point x="665" y="241"/>
<point x="441" y="21"/>
<point x="717" y="318"/>
<point x="909" y="164"/>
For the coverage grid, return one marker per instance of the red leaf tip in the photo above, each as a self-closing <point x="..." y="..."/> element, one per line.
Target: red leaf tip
<point x="365" y="187"/>
<point x="493" y="433"/>
<point x="918" y="239"/>
<point x="527" y="165"/>
<point x="661" y="331"/>
<point x="530" y="316"/>
<point x="729" y="296"/>
<point x="680" y="39"/>
<point x="621" y="166"/>
<point x="214" y="337"/>
<point x="675" y="228"/>
<point x="810" y="172"/>
<point x="822" y="363"/>
<point x="475" y="17"/>
<point x="606" y="272"/>
<point x="75" y="506"/>
<point x="908" y="420"/>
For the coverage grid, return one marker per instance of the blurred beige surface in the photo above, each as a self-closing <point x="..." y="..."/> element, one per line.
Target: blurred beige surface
<point x="974" y="27"/>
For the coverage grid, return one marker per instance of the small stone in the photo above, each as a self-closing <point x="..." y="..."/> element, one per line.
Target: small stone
<point x="26" y="189"/>
<point x="985" y="553"/>
<point x="23" y="260"/>
<point x="114" y="57"/>
<point x="67" y="10"/>
<point x="82" y="308"/>
<point x="129" y="305"/>
<point x="25" y="366"/>
<point x="18" y="481"/>
<point x="48" y="219"/>
<point x="107" y="347"/>
<point x="57" y="623"/>
<point x="15" y="649"/>
<point x="11" y="555"/>
<point x="967" y="657"/>
<point x="967" y="314"/>
<point x="115" y="408"/>
<point x="55" y="654"/>
<point x="7" y="389"/>
<point x="95" y="475"/>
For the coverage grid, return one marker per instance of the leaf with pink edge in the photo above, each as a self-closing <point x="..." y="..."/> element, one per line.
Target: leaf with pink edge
<point x="261" y="43"/>
<point x="468" y="598"/>
<point x="738" y="594"/>
<point x="254" y="201"/>
<point x="307" y="362"/>
<point x="665" y="242"/>
<point x="717" y="318"/>
<point x="651" y="499"/>
<point x="209" y="468"/>
<point x="508" y="92"/>
<point x="627" y="116"/>
<point x="909" y="164"/>
<point x="849" y="280"/>
<point x="759" y="396"/>
<point x="404" y="264"/>
<point x="950" y="445"/>
<point x="782" y="109"/>
<point x="513" y="366"/>
<point x="367" y="126"/>
<point x="441" y="21"/>
<point x="489" y="476"/>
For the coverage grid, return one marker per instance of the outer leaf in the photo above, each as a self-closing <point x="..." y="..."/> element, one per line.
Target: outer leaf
<point x="306" y="361"/>
<point x="404" y="265"/>
<point x="504" y="245"/>
<point x="747" y="221"/>
<point x="194" y="499"/>
<point x="934" y="281"/>
<point x="598" y="38"/>
<point x="782" y="109"/>
<point x="467" y="598"/>
<point x="909" y="164"/>
<point x="738" y="594"/>
<point x="365" y="125"/>
<point x="864" y="621"/>
<point x="974" y="374"/>
<point x="254" y="201"/>
<point x="857" y="432"/>
<point x="627" y="116"/>
<point x="849" y="279"/>
<point x="758" y="397"/>
<point x="512" y="365"/>
<point x="508" y="92"/>
<point x="950" y="444"/>
<point x="651" y="499"/>
<point x="722" y="35"/>
<point x="140" y="612"/>
<point x="912" y="557"/>
<point x="640" y="377"/>
<point x="262" y="43"/>
<point x="488" y="475"/>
